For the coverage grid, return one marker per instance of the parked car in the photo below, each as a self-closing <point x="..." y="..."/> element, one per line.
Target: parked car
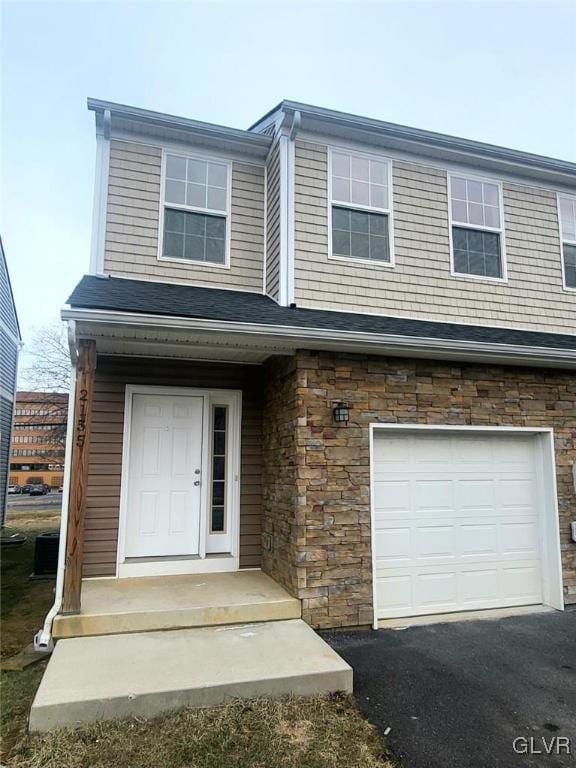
<point x="26" y="488"/>
<point x="14" y="489"/>
<point x="38" y="489"/>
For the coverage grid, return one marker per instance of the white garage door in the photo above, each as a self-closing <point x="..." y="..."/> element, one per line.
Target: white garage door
<point x="457" y="521"/>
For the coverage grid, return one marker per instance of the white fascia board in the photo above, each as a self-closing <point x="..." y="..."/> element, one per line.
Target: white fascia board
<point x="351" y="341"/>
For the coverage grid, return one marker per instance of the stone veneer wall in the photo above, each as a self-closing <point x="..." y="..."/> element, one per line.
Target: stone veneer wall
<point x="316" y="475"/>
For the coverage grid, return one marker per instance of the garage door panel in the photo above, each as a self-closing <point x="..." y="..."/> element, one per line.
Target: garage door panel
<point x="391" y="496"/>
<point x="435" y="541"/>
<point x="430" y="450"/>
<point x="433" y="495"/>
<point x="522" y="581"/>
<point x="474" y="451"/>
<point x="479" y="585"/>
<point x="475" y="495"/>
<point x="519" y="538"/>
<point x="393" y="545"/>
<point x="458" y="530"/>
<point x="435" y="591"/>
<point x="439" y="589"/>
<point x="517" y="492"/>
<point x="421" y="540"/>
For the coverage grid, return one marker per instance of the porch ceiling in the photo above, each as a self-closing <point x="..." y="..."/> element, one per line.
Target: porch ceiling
<point x="146" y="341"/>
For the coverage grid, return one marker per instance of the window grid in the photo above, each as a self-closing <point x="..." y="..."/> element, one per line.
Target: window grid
<point x="194" y="237"/>
<point x="195" y="209"/>
<point x="359" y="181"/>
<point x="196" y="184"/>
<point x="567" y="215"/>
<point x="360" y="235"/>
<point x="475" y="203"/>
<point x="476" y="252"/>
<point x="218" y="491"/>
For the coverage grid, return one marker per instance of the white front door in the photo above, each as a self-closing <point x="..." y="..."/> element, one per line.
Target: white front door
<point x="164" y="500"/>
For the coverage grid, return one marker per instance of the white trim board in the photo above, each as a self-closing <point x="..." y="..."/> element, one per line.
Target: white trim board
<point x="203" y="563"/>
<point x="552" y="582"/>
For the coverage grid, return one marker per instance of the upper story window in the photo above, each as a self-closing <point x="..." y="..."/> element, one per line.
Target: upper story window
<point x="567" y="212"/>
<point x="195" y="209"/>
<point x="361" y="207"/>
<point x="477" y="228"/>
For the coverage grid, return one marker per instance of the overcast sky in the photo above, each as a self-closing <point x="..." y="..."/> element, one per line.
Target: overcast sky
<point x="499" y="72"/>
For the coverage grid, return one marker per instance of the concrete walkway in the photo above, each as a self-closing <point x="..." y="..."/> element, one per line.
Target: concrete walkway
<point x="457" y="695"/>
<point x="95" y="678"/>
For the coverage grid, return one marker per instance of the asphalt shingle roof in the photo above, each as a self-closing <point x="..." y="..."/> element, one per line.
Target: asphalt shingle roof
<point x="148" y="297"/>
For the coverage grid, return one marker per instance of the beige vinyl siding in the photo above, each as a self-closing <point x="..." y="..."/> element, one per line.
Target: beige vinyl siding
<point x="420" y="284"/>
<point x="105" y="459"/>
<point x="132" y="223"/>
<point x="273" y="225"/>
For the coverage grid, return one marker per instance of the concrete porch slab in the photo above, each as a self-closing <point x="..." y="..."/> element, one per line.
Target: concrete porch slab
<point x="113" y="606"/>
<point x="99" y="678"/>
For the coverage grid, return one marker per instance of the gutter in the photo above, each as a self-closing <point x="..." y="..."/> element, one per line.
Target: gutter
<point x="257" y="141"/>
<point x="314" y="338"/>
<point x="431" y="141"/>
<point x="43" y="639"/>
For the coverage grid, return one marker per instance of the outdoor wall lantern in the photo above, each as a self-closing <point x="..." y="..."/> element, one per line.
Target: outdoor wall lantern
<point x="341" y="413"/>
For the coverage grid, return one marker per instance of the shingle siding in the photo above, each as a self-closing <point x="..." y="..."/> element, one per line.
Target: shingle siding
<point x="132" y="226"/>
<point x="420" y="284"/>
<point x="9" y="342"/>
<point x="6" y="412"/>
<point x="273" y="225"/>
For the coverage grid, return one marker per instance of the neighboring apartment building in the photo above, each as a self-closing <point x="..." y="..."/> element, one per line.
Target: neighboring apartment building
<point x="10" y="342"/>
<point x="336" y="349"/>
<point x="38" y="438"/>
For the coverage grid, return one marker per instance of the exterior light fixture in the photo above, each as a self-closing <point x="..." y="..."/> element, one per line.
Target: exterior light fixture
<point x="341" y="413"/>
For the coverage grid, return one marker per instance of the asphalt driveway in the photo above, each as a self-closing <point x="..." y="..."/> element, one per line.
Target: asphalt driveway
<point x="457" y="695"/>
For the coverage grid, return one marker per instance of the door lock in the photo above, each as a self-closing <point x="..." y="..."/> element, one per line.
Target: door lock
<point x="196" y="482"/>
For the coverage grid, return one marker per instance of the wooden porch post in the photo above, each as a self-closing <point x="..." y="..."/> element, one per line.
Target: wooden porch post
<point x="86" y="365"/>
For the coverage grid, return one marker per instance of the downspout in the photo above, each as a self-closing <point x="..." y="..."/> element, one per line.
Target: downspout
<point x="43" y="639"/>
<point x="291" y="174"/>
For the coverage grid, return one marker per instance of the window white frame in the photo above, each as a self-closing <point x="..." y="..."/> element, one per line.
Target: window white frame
<point x="193" y="209"/>
<point x="480" y="228"/>
<point x="356" y="207"/>
<point x="563" y="240"/>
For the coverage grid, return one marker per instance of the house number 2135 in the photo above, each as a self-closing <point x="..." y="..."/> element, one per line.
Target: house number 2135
<point x="81" y="420"/>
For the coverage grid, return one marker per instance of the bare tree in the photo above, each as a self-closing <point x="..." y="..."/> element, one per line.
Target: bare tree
<point x="48" y="374"/>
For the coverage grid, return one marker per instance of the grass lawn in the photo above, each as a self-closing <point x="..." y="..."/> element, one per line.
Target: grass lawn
<point x="23" y="608"/>
<point x="320" y="732"/>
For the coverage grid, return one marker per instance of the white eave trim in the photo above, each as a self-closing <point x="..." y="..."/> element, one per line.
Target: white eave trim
<point x="318" y="338"/>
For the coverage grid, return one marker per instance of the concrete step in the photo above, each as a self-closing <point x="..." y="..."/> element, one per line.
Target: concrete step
<point x="114" y="606"/>
<point x="100" y="678"/>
